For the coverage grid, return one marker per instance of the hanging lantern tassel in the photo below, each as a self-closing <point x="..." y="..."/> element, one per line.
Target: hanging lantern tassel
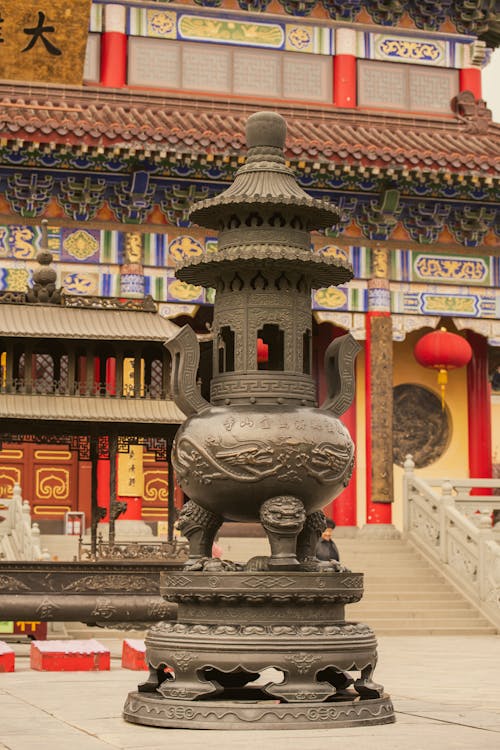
<point x="442" y="383"/>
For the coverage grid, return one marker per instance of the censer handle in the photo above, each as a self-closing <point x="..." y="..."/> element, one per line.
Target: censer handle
<point x="340" y="357"/>
<point x="185" y="352"/>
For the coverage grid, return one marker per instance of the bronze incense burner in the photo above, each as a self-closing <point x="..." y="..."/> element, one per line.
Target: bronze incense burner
<point x="261" y="450"/>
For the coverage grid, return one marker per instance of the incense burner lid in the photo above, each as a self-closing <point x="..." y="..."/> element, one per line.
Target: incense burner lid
<point x="265" y="182"/>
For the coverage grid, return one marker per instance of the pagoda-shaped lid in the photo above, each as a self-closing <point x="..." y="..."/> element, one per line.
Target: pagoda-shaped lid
<point x="265" y="218"/>
<point x="265" y="181"/>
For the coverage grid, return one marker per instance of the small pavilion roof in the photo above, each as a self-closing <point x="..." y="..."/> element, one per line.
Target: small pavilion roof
<point x="60" y="322"/>
<point x="160" y="126"/>
<point x="89" y="409"/>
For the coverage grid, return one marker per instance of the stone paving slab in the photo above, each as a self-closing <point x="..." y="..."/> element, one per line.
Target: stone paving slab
<point x="446" y="692"/>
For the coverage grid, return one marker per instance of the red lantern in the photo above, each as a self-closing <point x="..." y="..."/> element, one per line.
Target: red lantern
<point x="262" y="351"/>
<point x="443" y="351"/>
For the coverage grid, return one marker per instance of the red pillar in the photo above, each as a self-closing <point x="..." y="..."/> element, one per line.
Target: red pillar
<point x="479" y="411"/>
<point x="178" y="495"/>
<point x="344" y="69"/>
<point x="111" y="376"/>
<point x="114" y="47"/>
<point x="85" y="490"/>
<point x="343" y="508"/>
<point x="103" y="485"/>
<point x="134" y="508"/>
<point x="470" y="80"/>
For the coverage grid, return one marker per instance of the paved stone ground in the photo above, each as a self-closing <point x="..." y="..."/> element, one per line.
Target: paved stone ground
<point x="446" y="692"/>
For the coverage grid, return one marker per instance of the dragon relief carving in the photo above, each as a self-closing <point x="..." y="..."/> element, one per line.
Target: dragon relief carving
<point x="10" y="583"/>
<point x="111" y="582"/>
<point x="253" y="460"/>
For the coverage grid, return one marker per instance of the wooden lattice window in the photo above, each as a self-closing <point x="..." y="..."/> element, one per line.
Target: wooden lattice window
<point x="156" y="384"/>
<point x="63" y="374"/>
<point x="43" y="373"/>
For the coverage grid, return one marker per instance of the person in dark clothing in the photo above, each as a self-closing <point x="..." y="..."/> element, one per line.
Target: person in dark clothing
<point x="495" y="380"/>
<point x="326" y="549"/>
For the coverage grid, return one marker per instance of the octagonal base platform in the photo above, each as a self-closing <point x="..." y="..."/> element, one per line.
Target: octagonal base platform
<point x="156" y="711"/>
<point x="257" y="649"/>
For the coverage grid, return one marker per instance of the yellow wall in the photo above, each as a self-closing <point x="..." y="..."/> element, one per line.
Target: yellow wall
<point x="454" y="461"/>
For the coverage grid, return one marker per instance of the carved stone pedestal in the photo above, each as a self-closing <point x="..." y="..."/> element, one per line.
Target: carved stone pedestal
<point x="260" y="650"/>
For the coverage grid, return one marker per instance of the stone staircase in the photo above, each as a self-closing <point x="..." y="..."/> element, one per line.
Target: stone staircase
<point x="404" y="595"/>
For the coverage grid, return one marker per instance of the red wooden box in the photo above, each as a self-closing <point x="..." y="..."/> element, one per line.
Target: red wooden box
<point x="7" y="658"/>
<point x="69" y="656"/>
<point x="134" y="654"/>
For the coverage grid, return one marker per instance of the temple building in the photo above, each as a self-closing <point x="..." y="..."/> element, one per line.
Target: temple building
<point x="116" y="119"/>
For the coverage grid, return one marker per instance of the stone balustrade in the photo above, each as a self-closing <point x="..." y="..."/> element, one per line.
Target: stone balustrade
<point x="454" y="529"/>
<point x="19" y="538"/>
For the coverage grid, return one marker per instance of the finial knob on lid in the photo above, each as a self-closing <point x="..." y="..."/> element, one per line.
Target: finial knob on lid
<point x="266" y="129"/>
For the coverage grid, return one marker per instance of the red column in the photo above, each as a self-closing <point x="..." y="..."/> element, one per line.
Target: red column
<point x="85" y="490"/>
<point x="134" y="508"/>
<point x="103" y="485"/>
<point x="344" y="69"/>
<point x="479" y="411"/>
<point x="470" y="80"/>
<point x="343" y="508"/>
<point x="111" y="376"/>
<point x="114" y="47"/>
<point x="178" y="495"/>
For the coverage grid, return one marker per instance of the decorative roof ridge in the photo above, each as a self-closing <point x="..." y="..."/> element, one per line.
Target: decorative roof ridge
<point x="144" y="304"/>
<point x="79" y="302"/>
<point x="341" y="139"/>
<point x="48" y="97"/>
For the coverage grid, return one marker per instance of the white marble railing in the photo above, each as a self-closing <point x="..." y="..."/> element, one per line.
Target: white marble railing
<point x="19" y="538"/>
<point x="454" y="529"/>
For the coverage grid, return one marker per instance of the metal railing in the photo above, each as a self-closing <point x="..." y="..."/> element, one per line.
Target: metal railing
<point x="42" y="386"/>
<point x="173" y="551"/>
<point x="454" y="528"/>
